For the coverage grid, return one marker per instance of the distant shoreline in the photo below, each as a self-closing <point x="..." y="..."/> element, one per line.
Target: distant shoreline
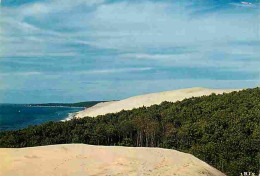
<point x="55" y="106"/>
<point x="76" y="105"/>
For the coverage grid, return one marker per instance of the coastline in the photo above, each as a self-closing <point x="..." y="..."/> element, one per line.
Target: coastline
<point x="148" y="100"/>
<point x="15" y="117"/>
<point x="69" y="117"/>
<point x="55" y="106"/>
<point x="73" y="115"/>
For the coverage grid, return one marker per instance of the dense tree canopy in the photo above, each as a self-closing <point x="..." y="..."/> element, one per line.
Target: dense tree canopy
<point x="222" y="130"/>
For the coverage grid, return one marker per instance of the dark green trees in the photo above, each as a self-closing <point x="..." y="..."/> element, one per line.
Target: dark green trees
<point x="222" y="130"/>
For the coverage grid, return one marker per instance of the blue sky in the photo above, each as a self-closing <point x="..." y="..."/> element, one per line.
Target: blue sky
<point x="80" y="50"/>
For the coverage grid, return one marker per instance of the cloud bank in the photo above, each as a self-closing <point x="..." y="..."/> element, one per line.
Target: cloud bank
<point x="77" y="45"/>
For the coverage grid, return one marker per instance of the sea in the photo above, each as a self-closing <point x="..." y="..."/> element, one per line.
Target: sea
<point x="13" y="116"/>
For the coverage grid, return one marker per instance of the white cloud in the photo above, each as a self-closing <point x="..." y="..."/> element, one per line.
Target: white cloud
<point x="226" y="57"/>
<point x="148" y="56"/>
<point x="116" y="70"/>
<point x="23" y="53"/>
<point x="21" y="73"/>
<point x="161" y="25"/>
<point x="244" y="4"/>
<point x="123" y="37"/>
<point x="128" y="26"/>
<point x="55" y="6"/>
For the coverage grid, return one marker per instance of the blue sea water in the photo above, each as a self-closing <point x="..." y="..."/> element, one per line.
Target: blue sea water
<point x="20" y="116"/>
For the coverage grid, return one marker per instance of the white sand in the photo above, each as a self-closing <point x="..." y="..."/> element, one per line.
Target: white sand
<point x="148" y="100"/>
<point x="87" y="160"/>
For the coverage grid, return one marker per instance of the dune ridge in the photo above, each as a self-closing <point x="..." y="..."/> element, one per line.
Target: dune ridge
<point x="82" y="159"/>
<point x="148" y="100"/>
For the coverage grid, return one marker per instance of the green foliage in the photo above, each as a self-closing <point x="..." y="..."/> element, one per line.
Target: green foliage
<point x="222" y="130"/>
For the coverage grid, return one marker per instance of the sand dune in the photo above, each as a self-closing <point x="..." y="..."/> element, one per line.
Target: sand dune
<point x="86" y="160"/>
<point x="148" y="100"/>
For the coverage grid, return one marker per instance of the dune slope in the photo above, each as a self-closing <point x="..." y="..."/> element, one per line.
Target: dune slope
<point x="81" y="159"/>
<point x="148" y="100"/>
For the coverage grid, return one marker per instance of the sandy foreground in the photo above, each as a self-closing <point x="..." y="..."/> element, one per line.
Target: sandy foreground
<point x="87" y="160"/>
<point x="148" y="100"/>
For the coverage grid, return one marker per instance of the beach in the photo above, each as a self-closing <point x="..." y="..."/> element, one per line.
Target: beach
<point x="148" y="100"/>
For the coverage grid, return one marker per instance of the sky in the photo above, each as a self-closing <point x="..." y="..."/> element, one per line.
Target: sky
<point x="83" y="50"/>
